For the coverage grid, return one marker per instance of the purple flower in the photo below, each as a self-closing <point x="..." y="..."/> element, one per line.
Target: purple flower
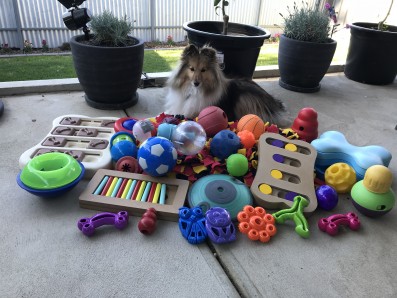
<point x="327" y="6"/>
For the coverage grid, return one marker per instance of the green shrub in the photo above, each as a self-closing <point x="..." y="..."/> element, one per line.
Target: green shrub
<point x="306" y="24"/>
<point x="65" y="46"/>
<point x="110" y="31"/>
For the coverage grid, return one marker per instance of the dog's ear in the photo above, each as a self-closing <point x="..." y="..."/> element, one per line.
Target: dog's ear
<point x="190" y="51"/>
<point x="209" y="52"/>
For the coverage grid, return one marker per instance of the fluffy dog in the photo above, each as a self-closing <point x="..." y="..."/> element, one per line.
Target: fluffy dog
<point x="198" y="82"/>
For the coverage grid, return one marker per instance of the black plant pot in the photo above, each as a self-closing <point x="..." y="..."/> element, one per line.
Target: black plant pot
<point x="303" y="64"/>
<point x="109" y="76"/>
<point x="240" y="48"/>
<point x="372" y="54"/>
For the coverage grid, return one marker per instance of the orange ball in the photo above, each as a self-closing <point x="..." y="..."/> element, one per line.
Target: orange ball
<point x="247" y="138"/>
<point x="253" y="124"/>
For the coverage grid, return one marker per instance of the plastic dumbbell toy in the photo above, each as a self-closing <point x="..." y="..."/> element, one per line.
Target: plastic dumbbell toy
<point x="88" y="224"/>
<point x="331" y="224"/>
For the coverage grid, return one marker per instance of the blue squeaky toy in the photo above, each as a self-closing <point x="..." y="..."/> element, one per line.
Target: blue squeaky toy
<point x="224" y="144"/>
<point x="192" y="224"/>
<point x="157" y="156"/>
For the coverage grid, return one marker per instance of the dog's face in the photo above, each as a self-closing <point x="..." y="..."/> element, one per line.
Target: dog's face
<point x="199" y="66"/>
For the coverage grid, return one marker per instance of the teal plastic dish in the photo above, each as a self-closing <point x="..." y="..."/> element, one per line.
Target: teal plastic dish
<point x="50" y="170"/>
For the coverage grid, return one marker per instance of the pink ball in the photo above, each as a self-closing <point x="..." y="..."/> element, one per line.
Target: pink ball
<point x="213" y="120"/>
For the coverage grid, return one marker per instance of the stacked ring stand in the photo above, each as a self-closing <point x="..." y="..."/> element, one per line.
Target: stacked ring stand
<point x="285" y="170"/>
<point x="84" y="138"/>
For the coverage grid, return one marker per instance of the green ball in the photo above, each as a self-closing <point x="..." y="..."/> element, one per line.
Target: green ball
<point x="237" y="165"/>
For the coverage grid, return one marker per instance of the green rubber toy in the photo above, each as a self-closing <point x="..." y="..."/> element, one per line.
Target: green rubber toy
<point x="295" y="213"/>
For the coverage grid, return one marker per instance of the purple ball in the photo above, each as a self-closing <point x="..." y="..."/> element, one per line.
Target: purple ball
<point x="327" y="197"/>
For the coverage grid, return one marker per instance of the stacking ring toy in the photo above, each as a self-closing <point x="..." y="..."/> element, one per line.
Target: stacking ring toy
<point x="50" y="174"/>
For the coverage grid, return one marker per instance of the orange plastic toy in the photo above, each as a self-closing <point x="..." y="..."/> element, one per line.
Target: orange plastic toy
<point x="247" y="139"/>
<point x="256" y="223"/>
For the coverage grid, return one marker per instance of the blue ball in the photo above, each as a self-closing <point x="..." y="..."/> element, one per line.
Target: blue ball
<point x="327" y="197"/>
<point x="157" y="156"/>
<point x="123" y="148"/>
<point x="224" y="144"/>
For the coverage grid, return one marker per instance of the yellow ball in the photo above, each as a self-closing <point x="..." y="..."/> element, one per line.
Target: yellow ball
<point x="341" y="177"/>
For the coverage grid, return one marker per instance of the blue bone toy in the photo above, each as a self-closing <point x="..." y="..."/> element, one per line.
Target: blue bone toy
<point x="332" y="147"/>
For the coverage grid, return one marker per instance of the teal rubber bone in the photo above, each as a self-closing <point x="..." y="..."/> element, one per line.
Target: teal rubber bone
<point x="332" y="147"/>
<point x="295" y="213"/>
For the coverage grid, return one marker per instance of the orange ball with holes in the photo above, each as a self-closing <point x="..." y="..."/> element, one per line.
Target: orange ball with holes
<point x="253" y="124"/>
<point x="247" y="138"/>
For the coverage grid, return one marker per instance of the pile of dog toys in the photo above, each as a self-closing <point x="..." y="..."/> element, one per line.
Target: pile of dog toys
<point x="194" y="149"/>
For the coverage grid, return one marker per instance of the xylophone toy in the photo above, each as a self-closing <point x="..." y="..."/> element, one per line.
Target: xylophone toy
<point x="113" y="191"/>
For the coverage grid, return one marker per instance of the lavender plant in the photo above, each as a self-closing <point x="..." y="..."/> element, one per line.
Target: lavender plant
<point x="306" y="24"/>
<point x="110" y="31"/>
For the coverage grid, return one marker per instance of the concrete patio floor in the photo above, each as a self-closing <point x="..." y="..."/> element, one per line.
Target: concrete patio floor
<point x="43" y="254"/>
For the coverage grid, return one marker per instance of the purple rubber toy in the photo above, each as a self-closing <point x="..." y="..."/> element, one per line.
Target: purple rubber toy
<point x="88" y="225"/>
<point x="331" y="224"/>
<point x="219" y="225"/>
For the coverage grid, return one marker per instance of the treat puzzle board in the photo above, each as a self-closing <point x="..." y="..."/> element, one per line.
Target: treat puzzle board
<point x="114" y="191"/>
<point x="84" y="138"/>
<point x="285" y="170"/>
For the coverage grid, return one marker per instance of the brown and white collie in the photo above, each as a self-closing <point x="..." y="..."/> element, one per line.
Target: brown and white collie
<point x="198" y="82"/>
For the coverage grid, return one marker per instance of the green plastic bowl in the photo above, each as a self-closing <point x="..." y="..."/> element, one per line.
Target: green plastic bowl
<point x="50" y="170"/>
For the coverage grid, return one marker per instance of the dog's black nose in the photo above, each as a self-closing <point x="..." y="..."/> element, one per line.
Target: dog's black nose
<point x="196" y="83"/>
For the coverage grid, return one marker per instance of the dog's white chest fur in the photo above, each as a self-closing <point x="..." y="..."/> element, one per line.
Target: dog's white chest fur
<point x="188" y="101"/>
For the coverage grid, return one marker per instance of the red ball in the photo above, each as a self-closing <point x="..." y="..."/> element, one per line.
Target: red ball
<point x="213" y="120"/>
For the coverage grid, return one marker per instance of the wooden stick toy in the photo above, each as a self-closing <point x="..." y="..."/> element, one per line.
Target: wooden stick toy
<point x="113" y="191"/>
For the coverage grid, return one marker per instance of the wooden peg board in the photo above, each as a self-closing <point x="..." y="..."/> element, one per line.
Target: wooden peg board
<point x="285" y="168"/>
<point x="176" y="191"/>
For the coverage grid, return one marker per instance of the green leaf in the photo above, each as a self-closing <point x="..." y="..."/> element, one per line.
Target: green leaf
<point x="216" y="2"/>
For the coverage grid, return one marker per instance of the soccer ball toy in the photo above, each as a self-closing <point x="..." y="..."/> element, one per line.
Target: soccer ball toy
<point x="157" y="156"/>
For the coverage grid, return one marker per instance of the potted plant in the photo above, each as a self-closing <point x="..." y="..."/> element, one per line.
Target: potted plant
<point x="238" y="45"/>
<point x="306" y="49"/>
<point x="372" y="57"/>
<point x="109" y="63"/>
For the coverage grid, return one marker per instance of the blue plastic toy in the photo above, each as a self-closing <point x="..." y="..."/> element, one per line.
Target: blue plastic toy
<point x="332" y="147"/>
<point x="192" y="225"/>
<point x="157" y="156"/>
<point x="224" y="144"/>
